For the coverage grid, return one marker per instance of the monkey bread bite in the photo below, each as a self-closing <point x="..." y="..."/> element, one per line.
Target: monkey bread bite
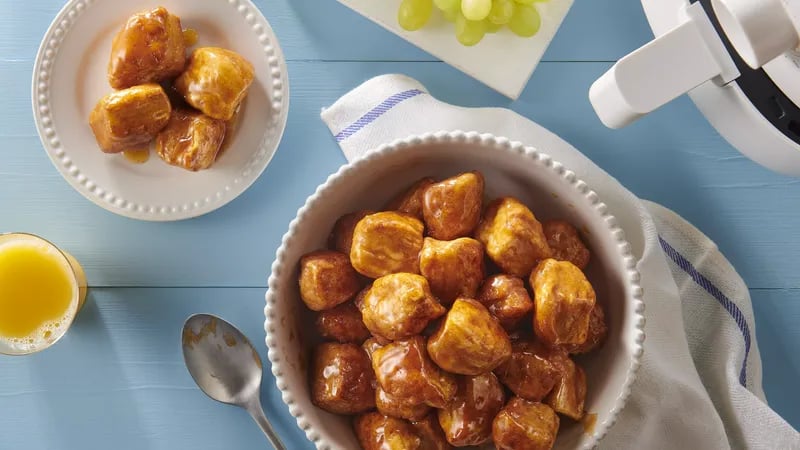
<point x="404" y="369"/>
<point x="342" y="379"/>
<point x="453" y="268"/>
<point x="469" y="341"/>
<point x="341" y="238"/>
<point x="399" y="407"/>
<point x="564" y="300"/>
<point x="327" y="279"/>
<point x="190" y="140"/>
<point x="378" y="432"/>
<point x="431" y="433"/>
<point x="385" y="243"/>
<point x="467" y="420"/>
<point x="523" y="424"/>
<point x="506" y="298"/>
<point x="130" y="118"/>
<point x="215" y="81"/>
<point x="399" y="305"/>
<point x="596" y="334"/>
<point x="148" y="49"/>
<point x="569" y="393"/>
<point x="452" y="208"/>
<point x="566" y="243"/>
<point x="342" y="324"/>
<point x="410" y="200"/>
<point x="512" y="237"/>
<point x="532" y="370"/>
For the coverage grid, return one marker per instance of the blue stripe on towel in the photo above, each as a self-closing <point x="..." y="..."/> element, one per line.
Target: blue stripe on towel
<point x="723" y="300"/>
<point x="376" y="112"/>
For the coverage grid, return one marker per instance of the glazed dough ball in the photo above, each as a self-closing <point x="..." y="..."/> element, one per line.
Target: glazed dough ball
<point x="512" y="237"/>
<point x="469" y="341"/>
<point x="453" y="268"/>
<point x="564" y="300"/>
<point x="327" y="279"/>
<point x="452" y="207"/>
<point x="342" y="379"/>
<point x="399" y="306"/>
<point x="385" y="243"/>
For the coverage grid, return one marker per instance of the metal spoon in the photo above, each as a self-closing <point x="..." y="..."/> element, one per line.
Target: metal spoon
<point x="226" y="367"/>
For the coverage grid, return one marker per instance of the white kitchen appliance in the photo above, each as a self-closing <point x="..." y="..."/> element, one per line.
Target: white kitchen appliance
<point x="737" y="59"/>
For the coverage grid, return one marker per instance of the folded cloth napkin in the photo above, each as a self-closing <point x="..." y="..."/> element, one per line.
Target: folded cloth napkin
<point x="696" y="389"/>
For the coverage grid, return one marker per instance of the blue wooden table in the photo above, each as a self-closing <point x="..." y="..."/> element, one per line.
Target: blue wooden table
<point x="117" y="380"/>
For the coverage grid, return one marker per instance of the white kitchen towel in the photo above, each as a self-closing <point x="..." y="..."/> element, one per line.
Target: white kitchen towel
<point x="699" y="385"/>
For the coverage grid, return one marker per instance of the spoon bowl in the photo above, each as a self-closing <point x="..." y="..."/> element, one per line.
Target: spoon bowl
<point x="226" y="366"/>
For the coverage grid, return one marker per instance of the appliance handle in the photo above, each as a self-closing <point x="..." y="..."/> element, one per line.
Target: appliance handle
<point x="760" y="30"/>
<point x="662" y="70"/>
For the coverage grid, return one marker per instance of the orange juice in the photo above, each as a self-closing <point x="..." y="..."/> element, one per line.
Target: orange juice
<point x="41" y="291"/>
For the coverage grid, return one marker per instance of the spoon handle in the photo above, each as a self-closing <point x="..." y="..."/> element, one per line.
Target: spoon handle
<point x="257" y="413"/>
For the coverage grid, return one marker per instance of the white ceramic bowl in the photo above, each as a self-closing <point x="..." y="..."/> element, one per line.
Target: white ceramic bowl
<point x="510" y="168"/>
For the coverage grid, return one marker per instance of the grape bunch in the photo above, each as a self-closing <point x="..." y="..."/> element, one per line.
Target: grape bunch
<point x="473" y="18"/>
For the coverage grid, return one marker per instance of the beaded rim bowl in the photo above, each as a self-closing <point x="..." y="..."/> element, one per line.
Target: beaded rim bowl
<point x="509" y="168"/>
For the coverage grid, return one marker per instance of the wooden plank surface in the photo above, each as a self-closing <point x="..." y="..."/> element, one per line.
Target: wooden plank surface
<point x="117" y="380"/>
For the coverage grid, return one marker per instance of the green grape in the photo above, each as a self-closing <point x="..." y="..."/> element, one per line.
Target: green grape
<point x="526" y="21"/>
<point x="414" y="14"/>
<point x="450" y="8"/>
<point x="450" y="15"/>
<point x="469" y="32"/>
<point x="501" y="13"/>
<point x="525" y="2"/>
<point x="476" y="10"/>
<point x="492" y="27"/>
<point x="447" y="5"/>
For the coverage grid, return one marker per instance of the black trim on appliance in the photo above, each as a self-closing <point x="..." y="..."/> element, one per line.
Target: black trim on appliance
<point x="759" y="88"/>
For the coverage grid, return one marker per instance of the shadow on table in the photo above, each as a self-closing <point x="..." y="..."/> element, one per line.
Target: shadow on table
<point x="84" y="383"/>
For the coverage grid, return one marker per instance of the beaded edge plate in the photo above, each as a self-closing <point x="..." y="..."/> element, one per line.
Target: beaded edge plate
<point x="70" y="76"/>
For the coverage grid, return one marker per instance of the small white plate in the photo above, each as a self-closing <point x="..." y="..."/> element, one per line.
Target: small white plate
<point x="502" y="61"/>
<point x="70" y="76"/>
